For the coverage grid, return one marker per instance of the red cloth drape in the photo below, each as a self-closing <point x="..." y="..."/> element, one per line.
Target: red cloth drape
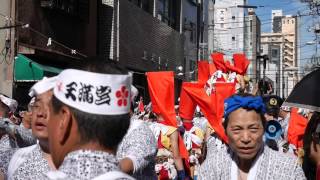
<point x="212" y="68"/>
<point x="296" y="129"/>
<point x="222" y="92"/>
<point x="203" y="71"/>
<point x="187" y="106"/>
<point x="241" y="63"/>
<point x="218" y="61"/>
<point x="212" y="107"/>
<point x="240" y="66"/>
<point x="161" y="90"/>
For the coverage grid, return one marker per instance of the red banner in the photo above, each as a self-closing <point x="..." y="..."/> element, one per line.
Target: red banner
<point x="161" y="90"/>
<point x="211" y="106"/>
<point x="297" y="126"/>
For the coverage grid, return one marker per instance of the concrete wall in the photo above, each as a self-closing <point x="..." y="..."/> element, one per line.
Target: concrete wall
<point x="6" y="62"/>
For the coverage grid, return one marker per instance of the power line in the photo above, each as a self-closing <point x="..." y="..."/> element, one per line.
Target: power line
<point x="72" y="51"/>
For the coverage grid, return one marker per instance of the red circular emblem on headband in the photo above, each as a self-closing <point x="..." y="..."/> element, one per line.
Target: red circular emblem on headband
<point x="122" y="96"/>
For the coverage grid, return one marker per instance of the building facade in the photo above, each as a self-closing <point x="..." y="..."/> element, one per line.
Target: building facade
<point x="228" y="26"/>
<point x="252" y="38"/>
<point x="271" y="44"/>
<point x="162" y="35"/>
<point x="276" y="16"/>
<point x="282" y="48"/>
<point x="190" y="29"/>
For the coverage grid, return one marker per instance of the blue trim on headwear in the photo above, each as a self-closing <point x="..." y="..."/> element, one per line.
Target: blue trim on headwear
<point x="250" y="102"/>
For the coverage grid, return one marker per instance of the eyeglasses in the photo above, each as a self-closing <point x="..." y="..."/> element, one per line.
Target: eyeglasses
<point x="35" y="108"/>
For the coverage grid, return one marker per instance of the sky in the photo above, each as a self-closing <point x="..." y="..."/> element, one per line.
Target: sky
<point x="289" y="7"/>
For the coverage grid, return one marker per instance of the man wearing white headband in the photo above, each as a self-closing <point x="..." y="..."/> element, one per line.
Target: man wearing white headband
<point x="20" y="133"/>
<point x="34" y="161"/>
<point x="7" y="107"/>
<point x="138" y="149"/>
<point x="246" y="156"/>
<point x="89" y="115"/>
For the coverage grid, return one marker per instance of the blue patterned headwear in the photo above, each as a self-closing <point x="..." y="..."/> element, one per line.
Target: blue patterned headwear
<point x="250" y="102"/>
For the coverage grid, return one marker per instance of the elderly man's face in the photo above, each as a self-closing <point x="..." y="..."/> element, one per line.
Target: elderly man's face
<point x="245" y="131"/>
<point x="40" y="115"/>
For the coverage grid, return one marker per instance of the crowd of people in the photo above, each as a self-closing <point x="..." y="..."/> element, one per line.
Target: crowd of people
<point x="91" y="123"/>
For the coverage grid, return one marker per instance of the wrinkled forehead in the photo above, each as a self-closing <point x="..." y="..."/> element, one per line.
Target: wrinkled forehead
<point x="44" y="97"/>
<point x="244" y="117"/>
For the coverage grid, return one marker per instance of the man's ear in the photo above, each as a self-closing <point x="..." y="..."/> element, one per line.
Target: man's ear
<point x="65" y="125"/>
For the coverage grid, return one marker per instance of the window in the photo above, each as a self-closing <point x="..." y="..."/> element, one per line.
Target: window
<point x="288" y="21"/>
<point x="233" y="38"/>
<point x="233" y="18"/>
<point x="222" y="18"/>
<point x="274" y="53"/>
<point x="292" y="21"/>
<point x="168" y="10"/>
<point x="221" y="12"/>
<point x="221" y="25"/>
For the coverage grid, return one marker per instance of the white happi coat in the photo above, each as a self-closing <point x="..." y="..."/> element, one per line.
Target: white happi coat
<point x="220" y="164"/>
<point x="88" y="165"/>
<point x="139" y="145"/>
<point x="28" y="163"/>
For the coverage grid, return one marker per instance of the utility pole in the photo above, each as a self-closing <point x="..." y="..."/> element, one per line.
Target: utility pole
<point x="211" y="26"/>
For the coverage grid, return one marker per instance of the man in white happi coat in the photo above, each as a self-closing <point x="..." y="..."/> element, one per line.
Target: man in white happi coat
<point x="246" y="157"/>
<point x="7" y="107"/>
<point x="138" y="150"/>
<point x="33" y="161"/>
<point x="89" y="116"/>
<point x="8" y="144"/>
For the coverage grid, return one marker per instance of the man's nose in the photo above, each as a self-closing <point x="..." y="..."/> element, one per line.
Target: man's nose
<point x="246" y="137"/>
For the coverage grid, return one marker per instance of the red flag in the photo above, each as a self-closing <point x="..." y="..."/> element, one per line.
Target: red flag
<point x="203" y="71"/>
<point x="207" y="105"/>
<point x="232" y="68"/>
<point x="218" y="61"/>
<point x="187" y="106"/>
<point x="241" y="63"/>
<point x="222" y="92"/>
<point x="161" y="90"/>
<point x="297" y="126"/>
<point x="212" y="68"/>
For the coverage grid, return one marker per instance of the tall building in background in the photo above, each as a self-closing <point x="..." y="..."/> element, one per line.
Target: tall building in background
<point x="271" y="45"/>
<point x="290" y="51"/>
<point x="276" y="16"/>
<point x="281" y="48"/>
<point x="228" y="21"/>
<point x="252" y="37"/>
<point x="190" y="29"/>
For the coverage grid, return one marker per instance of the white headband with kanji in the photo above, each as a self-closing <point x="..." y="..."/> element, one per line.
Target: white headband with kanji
<point x="42" y="86"/>
<point x="95" y="93"/>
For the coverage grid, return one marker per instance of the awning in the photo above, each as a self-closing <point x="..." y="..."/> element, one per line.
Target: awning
<point x="26" y="70"/>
